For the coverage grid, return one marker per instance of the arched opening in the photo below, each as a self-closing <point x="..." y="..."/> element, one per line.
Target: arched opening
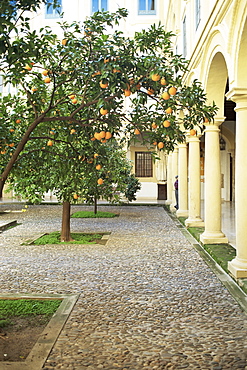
<point x="228" y="154"/>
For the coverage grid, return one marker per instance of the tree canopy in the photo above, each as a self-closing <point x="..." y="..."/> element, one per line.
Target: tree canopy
<point x="81" y="91"/>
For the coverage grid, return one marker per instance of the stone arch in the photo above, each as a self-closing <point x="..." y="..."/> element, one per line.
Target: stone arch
<point x="237" y="45"/>
<point x="216" y="80"/>
<point x="241" y="75"/>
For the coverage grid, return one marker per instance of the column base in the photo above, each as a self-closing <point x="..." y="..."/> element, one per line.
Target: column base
<point x="168" y="202"/>
<point x="182" y="213"/>
<point x="213" y="238"/>
<point x="237" y="268"/>
<point x="194" y="222"/>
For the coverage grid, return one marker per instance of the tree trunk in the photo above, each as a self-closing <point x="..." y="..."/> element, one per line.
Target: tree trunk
<point x="65" y="232"/>
<point x="95" y="205"/>
<point x="1" y="188"/>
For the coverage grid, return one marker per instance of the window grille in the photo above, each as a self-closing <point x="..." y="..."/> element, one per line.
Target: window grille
<point x="143" y="164"/>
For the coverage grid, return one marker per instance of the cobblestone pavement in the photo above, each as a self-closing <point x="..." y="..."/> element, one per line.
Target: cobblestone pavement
<point x="147" y="299"/>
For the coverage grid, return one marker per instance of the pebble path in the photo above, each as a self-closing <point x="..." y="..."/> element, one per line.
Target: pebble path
<point x="147" y="299"/>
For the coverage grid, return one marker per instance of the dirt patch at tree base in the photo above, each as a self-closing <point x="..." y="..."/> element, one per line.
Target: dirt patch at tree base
<point x="18" y="339"/>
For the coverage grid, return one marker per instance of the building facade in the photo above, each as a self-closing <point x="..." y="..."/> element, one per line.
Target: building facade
<point x="212" y="35"/>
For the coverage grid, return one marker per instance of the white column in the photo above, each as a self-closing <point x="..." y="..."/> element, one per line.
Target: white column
<point x="182" y="180"/>
<point x="238" y="266"/>
<point x="212" y="187"/>
<point x="169" y="179"/>
<point x="194" y="219"/>
<point x="174" y="173"/>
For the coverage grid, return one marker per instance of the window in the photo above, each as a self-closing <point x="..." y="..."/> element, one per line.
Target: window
<point x="184" y="38"/>
<point x="146" y="7"/>
<point x="99" y="5"/>
<point x="51" y="12"/>
<point x="143" y="164"/>
<point x="198" y="12"/>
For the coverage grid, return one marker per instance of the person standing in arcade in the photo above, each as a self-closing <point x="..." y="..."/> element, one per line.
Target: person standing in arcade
<point x="176" y="192"/>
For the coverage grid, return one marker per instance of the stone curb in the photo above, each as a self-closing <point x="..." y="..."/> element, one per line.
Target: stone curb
<point x="42" y="348"/>
<point x="4" y="226"/>
<point x="234" y="289"/>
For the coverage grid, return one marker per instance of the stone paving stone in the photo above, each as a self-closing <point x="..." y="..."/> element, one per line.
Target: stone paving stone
<point x="147" y="299"/>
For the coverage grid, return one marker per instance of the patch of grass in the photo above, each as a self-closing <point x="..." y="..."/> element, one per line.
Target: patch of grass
<point x="91" y="214"/>
<point x="27" y="307"/>
<point x="196" y="232"/>
<point x="78" y="238"/>
<point x="221" y="253"/>
<point x="4" y="323"/>
<point x="182" y="220"/>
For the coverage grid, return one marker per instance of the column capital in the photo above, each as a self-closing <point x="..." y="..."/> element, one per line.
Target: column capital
<point x="193" y="138"/>
<point x="237" y="94"/>
<point x="182" y="145"/>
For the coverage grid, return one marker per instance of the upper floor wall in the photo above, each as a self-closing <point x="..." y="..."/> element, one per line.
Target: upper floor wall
<point x="142" y="13"/>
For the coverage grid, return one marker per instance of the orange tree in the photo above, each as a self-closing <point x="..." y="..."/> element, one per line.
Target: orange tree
<point x="84" y="172"/>
<point x="95" y="80"/>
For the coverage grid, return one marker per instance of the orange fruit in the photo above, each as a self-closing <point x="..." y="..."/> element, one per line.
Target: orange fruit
<point x="52" y="132"/>
<point x="11" y="130"/>
<point x="155" y="77"/>
<point x="163" y="81"/>
<point x="137" y="132"/>
<point x="103" y="85"/>
<point x="34" y="89"/>
<point x="71" y="96"/>
<point x="49" y="142"/>
<point x="206" y="120"/>
<point x="75" y="196"/>
<point x="172" y="90"/>
<point x="47" y="80"/>
<point x="115" y="70"/>
<point x="93" y="139"/>
<point x="165" y="96"/>
<point x="127" y="92"/>
<point x="108" y="135"/>
<point x="166" y="123"/>
<point x="192" y="132"/>
<point x="103" y="111"/>
<point x="154" y="125"/>
<point x="96" y="73"/>
<point x="161" y="145"/>
<point x="74" y="101"/>
<point x="64" y="42"/>
<point x="45" y="73"/>
<point x="168" y="110"/>
<point x="155" y="143"/>
<point x="106" y="60"/>
<point x="98" y="167"/>
<point x="100" y="181"/>
<point x="97" y="135"/>
<point x="95" y="155"/>
<point x="18" y="121"/>
<point x="103" y="140"/>
<point x="102" y="134"/>
<point x="72" y="131"/>
<point x="27" y="67"/>
<point x="11" y="145"/>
